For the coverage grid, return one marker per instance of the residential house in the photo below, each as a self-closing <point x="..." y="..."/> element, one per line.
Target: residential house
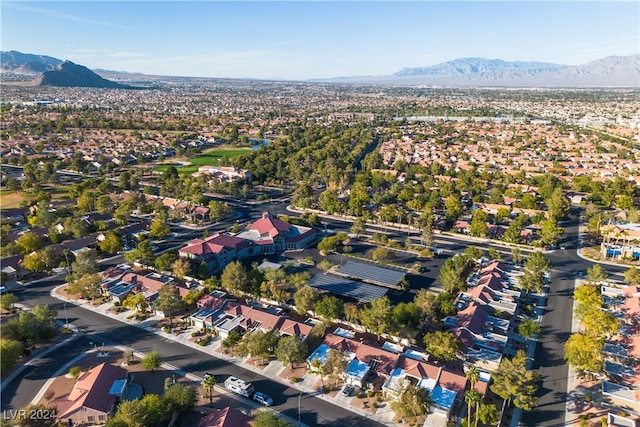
<point x="225" y="417"/>
<point x="94" y="395"/>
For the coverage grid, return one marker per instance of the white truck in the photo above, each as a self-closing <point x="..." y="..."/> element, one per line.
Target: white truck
<point x="238" y="386"/>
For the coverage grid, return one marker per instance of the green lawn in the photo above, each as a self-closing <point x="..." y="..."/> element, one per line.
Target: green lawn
<point x="10" y="199"/>
<point x="210" y="157"/>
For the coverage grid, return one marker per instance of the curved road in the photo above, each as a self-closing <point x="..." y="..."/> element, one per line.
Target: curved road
<point x="97" y="328"/>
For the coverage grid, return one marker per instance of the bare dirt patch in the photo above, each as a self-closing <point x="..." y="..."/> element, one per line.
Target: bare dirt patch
<point x="298" y="371"/>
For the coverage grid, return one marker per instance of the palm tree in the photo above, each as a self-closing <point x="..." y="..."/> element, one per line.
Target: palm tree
<point x="317" y="367"/>
<point x="473" y="376"/>
<point x="208" y="383"/>
<point x="472" y="397"/>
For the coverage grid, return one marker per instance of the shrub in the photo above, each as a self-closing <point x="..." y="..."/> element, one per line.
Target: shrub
<point x="75" y="371"/>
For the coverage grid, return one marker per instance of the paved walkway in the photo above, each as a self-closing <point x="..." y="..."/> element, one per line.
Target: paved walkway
<point x="272" y="370"/>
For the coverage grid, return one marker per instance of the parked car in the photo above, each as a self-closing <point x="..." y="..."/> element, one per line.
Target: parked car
<point x="347" y="390"/>
<point x="262" y="398"/>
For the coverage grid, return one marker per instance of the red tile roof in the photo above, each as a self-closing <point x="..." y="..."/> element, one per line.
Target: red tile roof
<point x="91" y="391"/>
<point x="225" y="417"/>
<point x="271" y="226"/>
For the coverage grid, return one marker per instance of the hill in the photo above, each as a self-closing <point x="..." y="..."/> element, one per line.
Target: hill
<point x="68" y="74"/>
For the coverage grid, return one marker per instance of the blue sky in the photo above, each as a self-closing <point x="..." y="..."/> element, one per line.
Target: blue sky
<point x="315" y="39"/>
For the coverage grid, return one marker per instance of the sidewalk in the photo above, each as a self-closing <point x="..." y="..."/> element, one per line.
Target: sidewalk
<point x="273" y="370"/>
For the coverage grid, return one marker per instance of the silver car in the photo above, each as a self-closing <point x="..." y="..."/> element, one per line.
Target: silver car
<point x="263" y="399"/>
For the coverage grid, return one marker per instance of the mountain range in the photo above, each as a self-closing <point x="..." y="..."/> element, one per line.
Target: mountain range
<point x="612" y="71"/>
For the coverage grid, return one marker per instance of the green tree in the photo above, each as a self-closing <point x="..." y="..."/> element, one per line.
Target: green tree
<point x="596" y="274"/>
<point x="180" y="397"/>
<point x="412" y="402"/>
<point x="316" y="367"/>
<point x="33" y="262"/>
<point x="151" y="361"/>
<point x="164" y="261"/>
<point x="478" y="226"/>
<point x="219" y="210"/>
<point x="442" y="345"/>
<point x="377" y="317"/>
<point x="7" y="301"/>
<point x="453" y="208"/>
<point x="329" y="308"/>
<point x="328" y="244"/>
<point x="632" y="276"/>
<point x="528" y="328"/>
<point x="585" y="354"/>
<point x="181" y="267"/>
<point x="335" y="364"/>
<point x="85" y="263"/>
<point x="159" y="228"/>
<point x="232" y="340"/>
<point x="513" y="382"/>
<point x="558" y="205"/>
<point x="305" y="298"/>
<point x="11" y="353"/>
<point x="325" y="265"/>
<point x="473" y="398"/>
<point x="104" y="204"/>
<point x="136" y="302"/>
<point x="258" y="343"/>
<point x="111" y="244"/>
<point x="147" y="411"/>
<point x="28" y="242"/>
<point x="169" y="302"/>
<point x="291" y="349"/>
<point x="516" y="255"/>
<point x="405" y="318"/>
<point x="234" y="277"/>
<point x="89" y="286"/>
<point x="269" y="419"/>
<point x="382" y="254"/>
<point x="359" y="227"/>
<point x="489" y="414"/>
<point x="550" y="232"/>
<point x="208" y="383"/>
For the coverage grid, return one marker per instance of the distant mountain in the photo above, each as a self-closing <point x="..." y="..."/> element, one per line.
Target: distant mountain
<point x="26" y="63"/>
<point x="612" y="71"/>
<point x="481" y="67"/>
<point x="69" y="74"/>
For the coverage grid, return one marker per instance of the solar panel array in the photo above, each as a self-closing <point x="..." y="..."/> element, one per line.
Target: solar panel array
<point x="348" y="288"/>
<point x="371" y="273"/>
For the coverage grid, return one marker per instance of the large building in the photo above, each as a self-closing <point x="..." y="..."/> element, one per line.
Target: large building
<point x="266" y="236"/>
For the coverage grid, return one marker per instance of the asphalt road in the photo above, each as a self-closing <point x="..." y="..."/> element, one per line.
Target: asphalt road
<point x="549" y="362"/>
<point x="98" y="328"/>
<point x="567" y="266"/>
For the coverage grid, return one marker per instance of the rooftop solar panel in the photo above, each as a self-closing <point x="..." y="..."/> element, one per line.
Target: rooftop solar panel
<point x="371" y="273"/>
<point x="348" y="288"/>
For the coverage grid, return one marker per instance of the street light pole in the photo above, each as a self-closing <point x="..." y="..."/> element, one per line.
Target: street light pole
<point x="65" y="315"/>
<point x="299" y="422"/>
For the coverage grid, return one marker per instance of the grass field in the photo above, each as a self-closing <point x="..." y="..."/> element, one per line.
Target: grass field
<point x="210" y="157"/>
<point x="10" y="199"/>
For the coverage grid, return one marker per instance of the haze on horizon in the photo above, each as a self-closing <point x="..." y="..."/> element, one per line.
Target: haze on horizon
<point x="306" y="40"/>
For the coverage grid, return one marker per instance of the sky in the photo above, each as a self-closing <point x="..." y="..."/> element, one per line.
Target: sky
<point x="314" y="39"/>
